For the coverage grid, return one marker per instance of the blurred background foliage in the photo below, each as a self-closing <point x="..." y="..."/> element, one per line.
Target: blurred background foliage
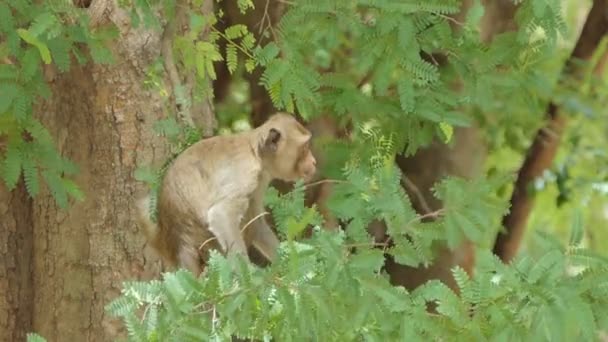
<point x="576" y="187"/>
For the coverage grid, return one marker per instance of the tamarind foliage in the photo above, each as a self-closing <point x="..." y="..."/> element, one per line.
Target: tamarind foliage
<point x="406" y="74"/>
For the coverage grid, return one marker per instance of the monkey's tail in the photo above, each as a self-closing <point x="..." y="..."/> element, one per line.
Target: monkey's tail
<point x="143" y="219"/>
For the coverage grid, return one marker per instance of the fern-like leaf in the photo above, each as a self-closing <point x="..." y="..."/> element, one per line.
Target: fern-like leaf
<point x="12" y="165"/>
<point x="30" y="175"/>
<point x="231" y="57"/>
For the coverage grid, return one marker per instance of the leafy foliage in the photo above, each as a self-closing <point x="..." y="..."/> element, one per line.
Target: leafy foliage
<point x="377" y="64"/>
<point x="373" y="61"/>
<point x="32" y="35"/>
<point x="332" y="287"/>
<point x="320" y="289"/>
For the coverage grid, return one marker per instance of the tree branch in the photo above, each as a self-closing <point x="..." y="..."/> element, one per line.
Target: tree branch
<point x="542" y="152"/>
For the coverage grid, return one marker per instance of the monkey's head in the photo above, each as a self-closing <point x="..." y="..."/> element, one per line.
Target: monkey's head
<point x="285" y="149"/>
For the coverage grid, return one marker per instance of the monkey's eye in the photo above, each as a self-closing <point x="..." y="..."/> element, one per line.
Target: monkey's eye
<point x="308" y="142"/>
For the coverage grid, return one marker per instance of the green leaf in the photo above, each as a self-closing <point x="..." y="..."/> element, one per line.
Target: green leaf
<point x="406" y="94"/>
<point x="21" y="105"/>
<point x="236" y="31"/>
<point x="367" y="260"/>
<point x="249" y="65"/>
<point x="33" y="337"/>
<point x="7" y="22"/>
<point x="30" y="64"/>
<point x="45" y="54"/>
<point x="231" y="58"/>
<point x="60" y="49"/>
<point x="56" y="185"/>
<point x="267" y="54"/>
<point x="8" y="72"/>
<point x="295" y="226"/>
<point x="72" y="189"/>
<point x="447" y="131"/>
<point x="406" y="33"/>
<point x="146" y="174"/>
<point x="8" y="93"/>
<point x="576" y="229"/>
<point x="30" y="174"/>
<point x="100" y="53"/>
<point x="12" y="166"/>
<point x="244" y="5"/>
<point x="41" y="23"/>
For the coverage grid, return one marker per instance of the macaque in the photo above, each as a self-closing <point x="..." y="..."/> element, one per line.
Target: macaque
<point x="216" y="186"/>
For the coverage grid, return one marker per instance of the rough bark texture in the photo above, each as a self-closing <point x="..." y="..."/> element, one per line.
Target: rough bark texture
<point x="16" y="301"/>
<point x="546" y="142"/>
<point x="101" y="119"/>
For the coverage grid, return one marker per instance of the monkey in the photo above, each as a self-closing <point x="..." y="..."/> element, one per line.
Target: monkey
<point x="216" y="186"/>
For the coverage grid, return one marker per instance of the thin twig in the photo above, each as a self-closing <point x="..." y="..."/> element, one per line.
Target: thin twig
<point x="221" y="34"/>
<point x="433" y="59"/>
<point x="323" y="181"/>
<point x="459" y="23"/>
<point x="366" y="244"/>
<point x="269" y="18"/>
<point x="433" y="214"/>
<point x="418" y="218"/>
<point x="419" y="196"/>
<point x="264" y="16"/>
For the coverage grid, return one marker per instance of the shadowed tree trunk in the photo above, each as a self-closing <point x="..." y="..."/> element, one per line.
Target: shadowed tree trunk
<point x="61" y="267"/>
<point x="464" y="159"/>
<point x="16" y="302"/>
<point x="546" y="142"/>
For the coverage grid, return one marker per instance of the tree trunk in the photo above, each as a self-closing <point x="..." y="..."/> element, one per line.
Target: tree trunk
<point x="546" y="142"/>
<point x="17" y="299"/>
<point x="101" y="118"/>
<point x="464" y="159"/>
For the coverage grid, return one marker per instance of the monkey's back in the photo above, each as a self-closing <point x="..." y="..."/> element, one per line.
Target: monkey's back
<point x="201" y="174"/>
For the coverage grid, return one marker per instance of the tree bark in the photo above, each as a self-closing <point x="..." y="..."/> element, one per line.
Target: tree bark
<point x="101" y="118"/>
<point x="16" y="303"/>
<point x="546" y="142"/>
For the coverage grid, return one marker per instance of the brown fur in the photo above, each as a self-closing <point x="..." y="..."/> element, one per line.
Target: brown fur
<point x="217" y="185"/>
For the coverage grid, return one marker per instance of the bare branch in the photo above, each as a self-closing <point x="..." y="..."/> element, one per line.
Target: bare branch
<point x="414" y="189"/>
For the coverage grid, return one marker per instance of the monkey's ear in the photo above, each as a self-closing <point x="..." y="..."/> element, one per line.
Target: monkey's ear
<point x="271" y="142"/>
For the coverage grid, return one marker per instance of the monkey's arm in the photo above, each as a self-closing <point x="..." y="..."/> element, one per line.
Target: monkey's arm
<point x="224" y="218"/>
<point x="261" y="235"/>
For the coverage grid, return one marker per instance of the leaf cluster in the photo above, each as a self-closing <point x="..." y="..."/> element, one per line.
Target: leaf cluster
<point x="32" y="35"/>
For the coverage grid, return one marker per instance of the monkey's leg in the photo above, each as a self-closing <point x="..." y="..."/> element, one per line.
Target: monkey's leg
<point x="188" y="258"/>
<point x="224" y="218"/>
<point x="265" y="240"/>
<point x="261" y="236"/>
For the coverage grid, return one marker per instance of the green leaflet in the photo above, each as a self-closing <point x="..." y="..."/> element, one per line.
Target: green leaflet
<point x="27" y="36"/>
